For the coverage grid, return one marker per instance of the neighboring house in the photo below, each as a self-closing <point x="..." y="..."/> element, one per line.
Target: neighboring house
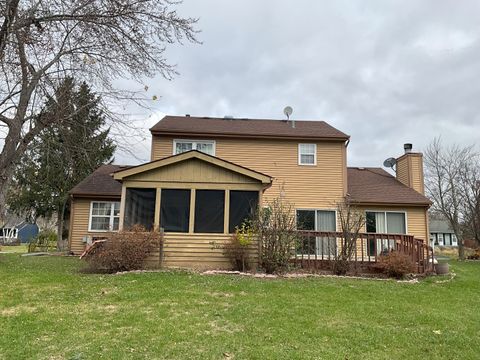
<point x="21" y="232"/>
<point x="206" y="174"/>
<point x="441" y="233"/>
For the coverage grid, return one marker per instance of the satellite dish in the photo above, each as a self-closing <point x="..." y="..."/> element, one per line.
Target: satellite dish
<point x="390" y="162"/>
<point x="288" y="111"/>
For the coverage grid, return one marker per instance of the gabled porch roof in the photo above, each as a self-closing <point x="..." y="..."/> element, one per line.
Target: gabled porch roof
<point x="122" y="174"/>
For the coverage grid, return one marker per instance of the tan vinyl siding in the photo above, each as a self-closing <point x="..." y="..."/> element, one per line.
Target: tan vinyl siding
<point x="191" y="171"/>
<point x="417" y="174"/>
<point x="79" y="224"/>
<point x="403" y="171"/>
<point x="198" y="251"/>
<point x="305" y="186"/>
<point x="410" y="171"/>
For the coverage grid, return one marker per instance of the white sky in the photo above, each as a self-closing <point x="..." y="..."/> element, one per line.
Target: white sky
<point x="385" y="72"/>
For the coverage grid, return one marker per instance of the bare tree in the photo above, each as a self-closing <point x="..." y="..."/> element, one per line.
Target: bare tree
<point x="452" y="178"/>
<point x="352" y="221"/>
<point x="276" y="226"/>
<point x="44" y="41"/>
<point x="470" y="190"/>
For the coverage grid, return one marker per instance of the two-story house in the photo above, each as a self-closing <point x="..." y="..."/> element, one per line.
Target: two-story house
<point x="206" y="174"/>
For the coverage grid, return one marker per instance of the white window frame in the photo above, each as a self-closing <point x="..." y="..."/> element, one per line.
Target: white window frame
<point x="194" y="143"/>
<point x="314" y="155"/>
<point x="390" y="243"/>
<point x="316" y="227"/>
<point x="454" y="240"/>
<point x="441" y="241"/>
<point x="385" y="216"/>
<point x="112" y="217"/>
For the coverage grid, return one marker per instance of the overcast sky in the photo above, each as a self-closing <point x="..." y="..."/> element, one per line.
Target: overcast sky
<point x="384" y="72"/>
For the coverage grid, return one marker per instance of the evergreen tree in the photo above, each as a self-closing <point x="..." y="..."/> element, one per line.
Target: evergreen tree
<point x="61" y="155"/>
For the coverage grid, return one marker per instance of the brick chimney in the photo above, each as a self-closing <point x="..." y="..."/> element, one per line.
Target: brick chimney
<point x="410" y="169"/>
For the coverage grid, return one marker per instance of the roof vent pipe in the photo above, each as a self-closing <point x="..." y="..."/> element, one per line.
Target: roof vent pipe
<point x="407" y="148"/>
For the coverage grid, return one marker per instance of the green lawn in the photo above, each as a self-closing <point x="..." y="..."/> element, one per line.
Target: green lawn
<point x="14" y="249"/>
<point x="48" y="310"/>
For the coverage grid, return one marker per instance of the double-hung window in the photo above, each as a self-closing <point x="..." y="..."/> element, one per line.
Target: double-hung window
<point x="307" y="154"/>
<point x="104" y="216"/>
<point x="206" y="146"/>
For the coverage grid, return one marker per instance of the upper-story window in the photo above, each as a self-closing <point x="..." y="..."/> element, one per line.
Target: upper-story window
<point x="307" y="154"/>
<point x="206" y="146"/>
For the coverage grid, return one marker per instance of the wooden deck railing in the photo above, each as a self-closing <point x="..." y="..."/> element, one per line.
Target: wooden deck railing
<point x="315" y="249"/>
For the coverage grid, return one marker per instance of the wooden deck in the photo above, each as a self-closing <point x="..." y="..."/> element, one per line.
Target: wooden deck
<point x="317" y="249"/>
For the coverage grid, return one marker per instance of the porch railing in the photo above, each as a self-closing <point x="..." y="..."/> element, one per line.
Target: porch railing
<point x="316" y="249"/>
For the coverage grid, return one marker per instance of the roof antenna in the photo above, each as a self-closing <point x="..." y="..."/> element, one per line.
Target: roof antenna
<point x="288" y="112"/>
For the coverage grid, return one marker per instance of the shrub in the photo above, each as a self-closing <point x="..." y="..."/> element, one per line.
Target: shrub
<point x="475" y="255"/>
<point x="124" y="250"/>
<point x="46" y="240"/>
<point x="276" y="228"/>
<point x="238" y="248"/>
<point x="395" y="264"/>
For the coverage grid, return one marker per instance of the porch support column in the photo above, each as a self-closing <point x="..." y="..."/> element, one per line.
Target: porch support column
<point x="122" y="206"/>
<point x="156" y="220"/>
<point x="192" y="211"/>
<point x="226" y="212"/>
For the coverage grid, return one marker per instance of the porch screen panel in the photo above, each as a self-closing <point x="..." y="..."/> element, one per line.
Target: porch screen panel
<point x="175" y="210"/>
<point x="140" y="207"/>
<point x="243" y="205"/>
<point x="209" y="211"/>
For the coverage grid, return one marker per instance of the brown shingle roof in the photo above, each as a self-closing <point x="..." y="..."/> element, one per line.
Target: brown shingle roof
<point x="253" y="128"/>
<point x="100" y="183"/>
<point x="376" y="186"/>
<point x="365" y="185"/>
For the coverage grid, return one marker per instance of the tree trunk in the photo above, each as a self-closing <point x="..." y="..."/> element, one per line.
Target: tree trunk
<point x="60" y="216"/>
<point x="461" y="248"/>
<point x="4" y="181"/>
